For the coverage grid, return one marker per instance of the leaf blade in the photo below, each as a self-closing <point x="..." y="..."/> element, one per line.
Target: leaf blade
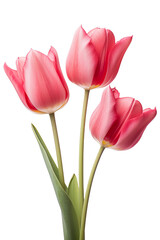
<point x="39" y="139"/>
<point x="73" y="192"/>
<point x="69" y="216"/>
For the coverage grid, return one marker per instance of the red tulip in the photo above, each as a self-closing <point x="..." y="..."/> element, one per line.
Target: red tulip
<point x="119" y="122"/>
<point x="94" y="58"/>
<point x="39" y="82"/>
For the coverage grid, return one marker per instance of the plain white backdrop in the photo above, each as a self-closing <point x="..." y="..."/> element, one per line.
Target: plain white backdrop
<point x="125" y="198"/>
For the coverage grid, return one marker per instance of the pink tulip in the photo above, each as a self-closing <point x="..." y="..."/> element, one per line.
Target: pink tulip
<point x="39" y="82"/>
<point x="94" y="58"/>
<point x="119" y="122"/>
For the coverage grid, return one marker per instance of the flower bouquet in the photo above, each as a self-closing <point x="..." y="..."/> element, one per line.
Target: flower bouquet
<point x="117" y="122"/>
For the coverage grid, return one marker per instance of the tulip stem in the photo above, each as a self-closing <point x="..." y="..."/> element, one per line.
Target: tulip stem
<point x="81" y="151"/>
<point x="58" y="150"/>
<point x="88" y="190"/>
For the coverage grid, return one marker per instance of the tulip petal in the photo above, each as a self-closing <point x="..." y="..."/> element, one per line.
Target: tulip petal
<point x="17" y="83"/>
<point x="116" y="93"/>
<point x="126" y="108"/>
<point x="103" y="41"/>
<point x="133" y="129"/>
<point x="123" y="107"/>
<point x="136" y="110"/>
<point x="82" y="60"/>
<point x="98" y="38"/>
<point x="42" y="83"/>
<point x="114" y="59"/>
<point x="20" y="64"/>
<point x="52" y="54"/>
<point x="104" y="116"/>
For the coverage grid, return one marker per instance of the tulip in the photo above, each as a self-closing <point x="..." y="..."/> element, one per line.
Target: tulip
<point x="39" y="82"/>
<point x="94" y="58"/>
<point x="119" y="122"/>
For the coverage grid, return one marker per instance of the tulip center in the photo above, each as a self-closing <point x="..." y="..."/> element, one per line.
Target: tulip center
<point x="106" y="144"/>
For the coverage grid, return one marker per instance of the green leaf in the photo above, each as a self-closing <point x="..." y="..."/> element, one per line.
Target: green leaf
<point x="41" y="142"/>
<point x="69" y="216"/>
<point x="73" y="192"/>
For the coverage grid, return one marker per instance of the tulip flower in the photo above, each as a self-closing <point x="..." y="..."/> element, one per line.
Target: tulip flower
<point x="39" y="82"/>
<point x="119" y="122"/>
<point x="94" y="57"/>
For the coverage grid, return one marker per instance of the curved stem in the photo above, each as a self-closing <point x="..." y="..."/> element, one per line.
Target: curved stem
<point x="81" y="150"/>
<point x="88" y="190"/>
<point x="58" y="150"/>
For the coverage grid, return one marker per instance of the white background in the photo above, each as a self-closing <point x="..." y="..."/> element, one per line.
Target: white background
<point x="125" y="198"/>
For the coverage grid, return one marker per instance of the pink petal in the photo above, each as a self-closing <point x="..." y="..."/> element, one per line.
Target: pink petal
<point x="42" y="83"/>
<point x="52" y="54"/>
<point x="123" y="107"/>
<point x="115" y="58"/>
<point x="136" y="110"/>
<point x="116" y="93"/>
<point x="133" y="129"/>
<point x="98" y="38"/>
<point x="103" y="40"/>
<point x="20" y="64"/>
<point x="104" y="116"/>
<point x="17" y="83"/>
<point x="82" y="60"/>
<point x="126" y="108"/>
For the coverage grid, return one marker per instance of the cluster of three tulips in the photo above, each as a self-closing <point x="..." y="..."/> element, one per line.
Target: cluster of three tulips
<point x="93" y="61"/>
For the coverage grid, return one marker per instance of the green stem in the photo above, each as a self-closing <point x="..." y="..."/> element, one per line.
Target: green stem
<point x="90" y="181"/>
<point x="81" y="150"/>
<point x="57" y="146"/>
